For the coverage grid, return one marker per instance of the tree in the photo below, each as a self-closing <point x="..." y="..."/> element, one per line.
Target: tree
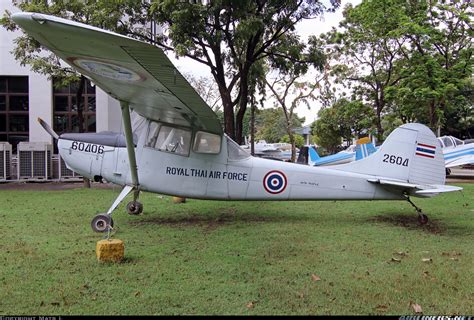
<point x="299" y="140"/>
<point x="357" y="117"/>
<point x="343" y="121"/>
<point x="289" y="93"/>
<point x="271" y="124"/>
<point x="367" y="52"/>
<point x="437" y="78"/>
<point x="230" y="37"/>
<point x="325" y="130"/>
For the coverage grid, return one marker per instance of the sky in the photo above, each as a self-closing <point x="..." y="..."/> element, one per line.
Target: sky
<point x="304" y="28"/>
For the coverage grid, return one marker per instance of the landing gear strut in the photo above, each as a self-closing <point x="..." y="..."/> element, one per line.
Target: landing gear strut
<point x="103" y="222"/>
<point x="422" y="218"/>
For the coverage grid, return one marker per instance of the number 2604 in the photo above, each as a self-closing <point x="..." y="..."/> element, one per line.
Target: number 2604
<point x="390" y="158"/>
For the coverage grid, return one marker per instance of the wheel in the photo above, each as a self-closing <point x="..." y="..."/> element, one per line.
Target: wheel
<point x="423" y="218"/>
<point x="101" y="223"/>
<point x="134" y="207"/>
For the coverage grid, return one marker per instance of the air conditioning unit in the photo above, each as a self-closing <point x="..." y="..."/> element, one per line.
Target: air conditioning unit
<point x="5" y="161"/>
<point x="65" y="173"/>
<point x="34" y="161"/>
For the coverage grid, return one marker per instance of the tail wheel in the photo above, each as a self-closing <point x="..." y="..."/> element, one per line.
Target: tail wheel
<point x="134" y="207"/>
<point x="423" y="219"/>
<point x="101" y="223"/>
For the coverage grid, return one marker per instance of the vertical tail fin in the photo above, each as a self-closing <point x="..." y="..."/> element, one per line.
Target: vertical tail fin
<point x="313" y="155"/>
<point x="364" y="148"/>
<point x="411" y="153"/>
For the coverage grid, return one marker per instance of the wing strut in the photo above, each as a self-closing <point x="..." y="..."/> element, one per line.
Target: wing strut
<point x="127" y="125"/>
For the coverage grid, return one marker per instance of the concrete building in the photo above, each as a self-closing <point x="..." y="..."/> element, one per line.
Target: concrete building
<point x="25" y="96"/>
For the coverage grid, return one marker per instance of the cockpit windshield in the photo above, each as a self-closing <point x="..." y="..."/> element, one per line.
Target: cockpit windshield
<point x="138" y="123"/>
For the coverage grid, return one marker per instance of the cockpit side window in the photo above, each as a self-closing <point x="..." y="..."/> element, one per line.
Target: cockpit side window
<point x="169" y="139"/>
<point x="205" y="142"/>
<point x="458" y="142"/>
<point x="447" y="142"/>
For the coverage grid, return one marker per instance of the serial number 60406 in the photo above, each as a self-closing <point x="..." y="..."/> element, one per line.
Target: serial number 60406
<point x="87" y="147"/>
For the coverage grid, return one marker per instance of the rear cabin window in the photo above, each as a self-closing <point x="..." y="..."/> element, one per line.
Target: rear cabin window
<point x="169" y="139"/>
<point x="205" y="142"/>
<point x="235" y="152"/>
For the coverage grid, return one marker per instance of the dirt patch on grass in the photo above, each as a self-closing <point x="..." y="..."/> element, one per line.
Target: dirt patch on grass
<point x="52" y="185"/>
<point x="434" y="226"/>
<point x="209" y="223"/>
<point x="411" y="222"/>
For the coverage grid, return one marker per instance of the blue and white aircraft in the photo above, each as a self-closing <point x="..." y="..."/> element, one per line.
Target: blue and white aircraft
<point x="456" y="152"/>
<point x="180" y="149"/>
<point x="362" y="149"/>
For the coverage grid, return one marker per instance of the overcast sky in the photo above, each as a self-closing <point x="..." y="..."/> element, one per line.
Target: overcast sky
<point x="305" y="28"/>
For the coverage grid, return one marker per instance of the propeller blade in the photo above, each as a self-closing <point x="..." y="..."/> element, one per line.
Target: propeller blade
<point x="48" y="128"/>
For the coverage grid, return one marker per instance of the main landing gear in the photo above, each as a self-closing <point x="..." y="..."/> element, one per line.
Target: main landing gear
<point x="134" y="207"/>
<point x="422" y="218"/>
<point x="103" y="222"/>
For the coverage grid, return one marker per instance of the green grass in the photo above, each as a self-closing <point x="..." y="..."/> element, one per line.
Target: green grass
<point x="214" y="257"/>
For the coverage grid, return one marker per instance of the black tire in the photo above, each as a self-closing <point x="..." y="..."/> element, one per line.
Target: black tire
<point x="134" y="208"/>
<point x="423" y="219"/>
<point x="101" y="223"/>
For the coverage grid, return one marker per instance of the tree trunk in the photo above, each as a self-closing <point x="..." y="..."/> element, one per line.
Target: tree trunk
<point x="252" y="127"/>
<point x="240" y="117"/>
<point x="228" y="113"/>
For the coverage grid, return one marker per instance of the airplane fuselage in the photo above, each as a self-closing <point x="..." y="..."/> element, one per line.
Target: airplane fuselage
<point x="217" y="176"/>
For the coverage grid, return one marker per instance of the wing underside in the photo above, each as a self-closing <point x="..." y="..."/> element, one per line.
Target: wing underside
<point x="129" y="70"/>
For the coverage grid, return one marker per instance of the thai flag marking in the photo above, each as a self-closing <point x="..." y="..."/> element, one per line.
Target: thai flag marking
<point x="425" y="150"/>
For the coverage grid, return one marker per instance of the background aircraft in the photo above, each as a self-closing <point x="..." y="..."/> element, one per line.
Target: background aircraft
<point x="456" y="152"/>
<point x="181" y="150"/>
<point x="363" y="148"/>
<point x="275" y="151"/>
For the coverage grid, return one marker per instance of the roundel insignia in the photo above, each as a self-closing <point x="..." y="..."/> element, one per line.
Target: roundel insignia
<point x="275" y="182"/>
<point x="107" y="69"/>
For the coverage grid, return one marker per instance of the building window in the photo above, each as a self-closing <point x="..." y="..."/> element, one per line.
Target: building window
<point x="65" y="108"/>
<point x="14" y="106"/>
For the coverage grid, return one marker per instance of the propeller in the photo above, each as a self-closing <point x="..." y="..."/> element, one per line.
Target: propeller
<point x="48" y="128"/>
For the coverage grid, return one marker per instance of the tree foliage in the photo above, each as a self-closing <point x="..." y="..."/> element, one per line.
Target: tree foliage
<point x="232" y="38"/>
<point x="410" y="60"/>
<point x="271" y="124"/>
<point x="437" y="75"/>
<point x="344" y="121"/>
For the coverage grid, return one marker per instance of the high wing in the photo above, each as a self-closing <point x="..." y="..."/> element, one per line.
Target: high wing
<point x="460" y="162"/>
<point x="129" y="70"/>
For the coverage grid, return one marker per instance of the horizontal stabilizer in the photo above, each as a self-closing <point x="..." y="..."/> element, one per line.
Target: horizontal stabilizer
<point x="439" y="189"/>
<point x="416" y="189"/>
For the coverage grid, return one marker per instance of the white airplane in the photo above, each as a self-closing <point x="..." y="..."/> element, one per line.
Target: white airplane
<point x="180" y="148"/>
<point x="456" y="152"/>
<point x="276" y="151"/>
